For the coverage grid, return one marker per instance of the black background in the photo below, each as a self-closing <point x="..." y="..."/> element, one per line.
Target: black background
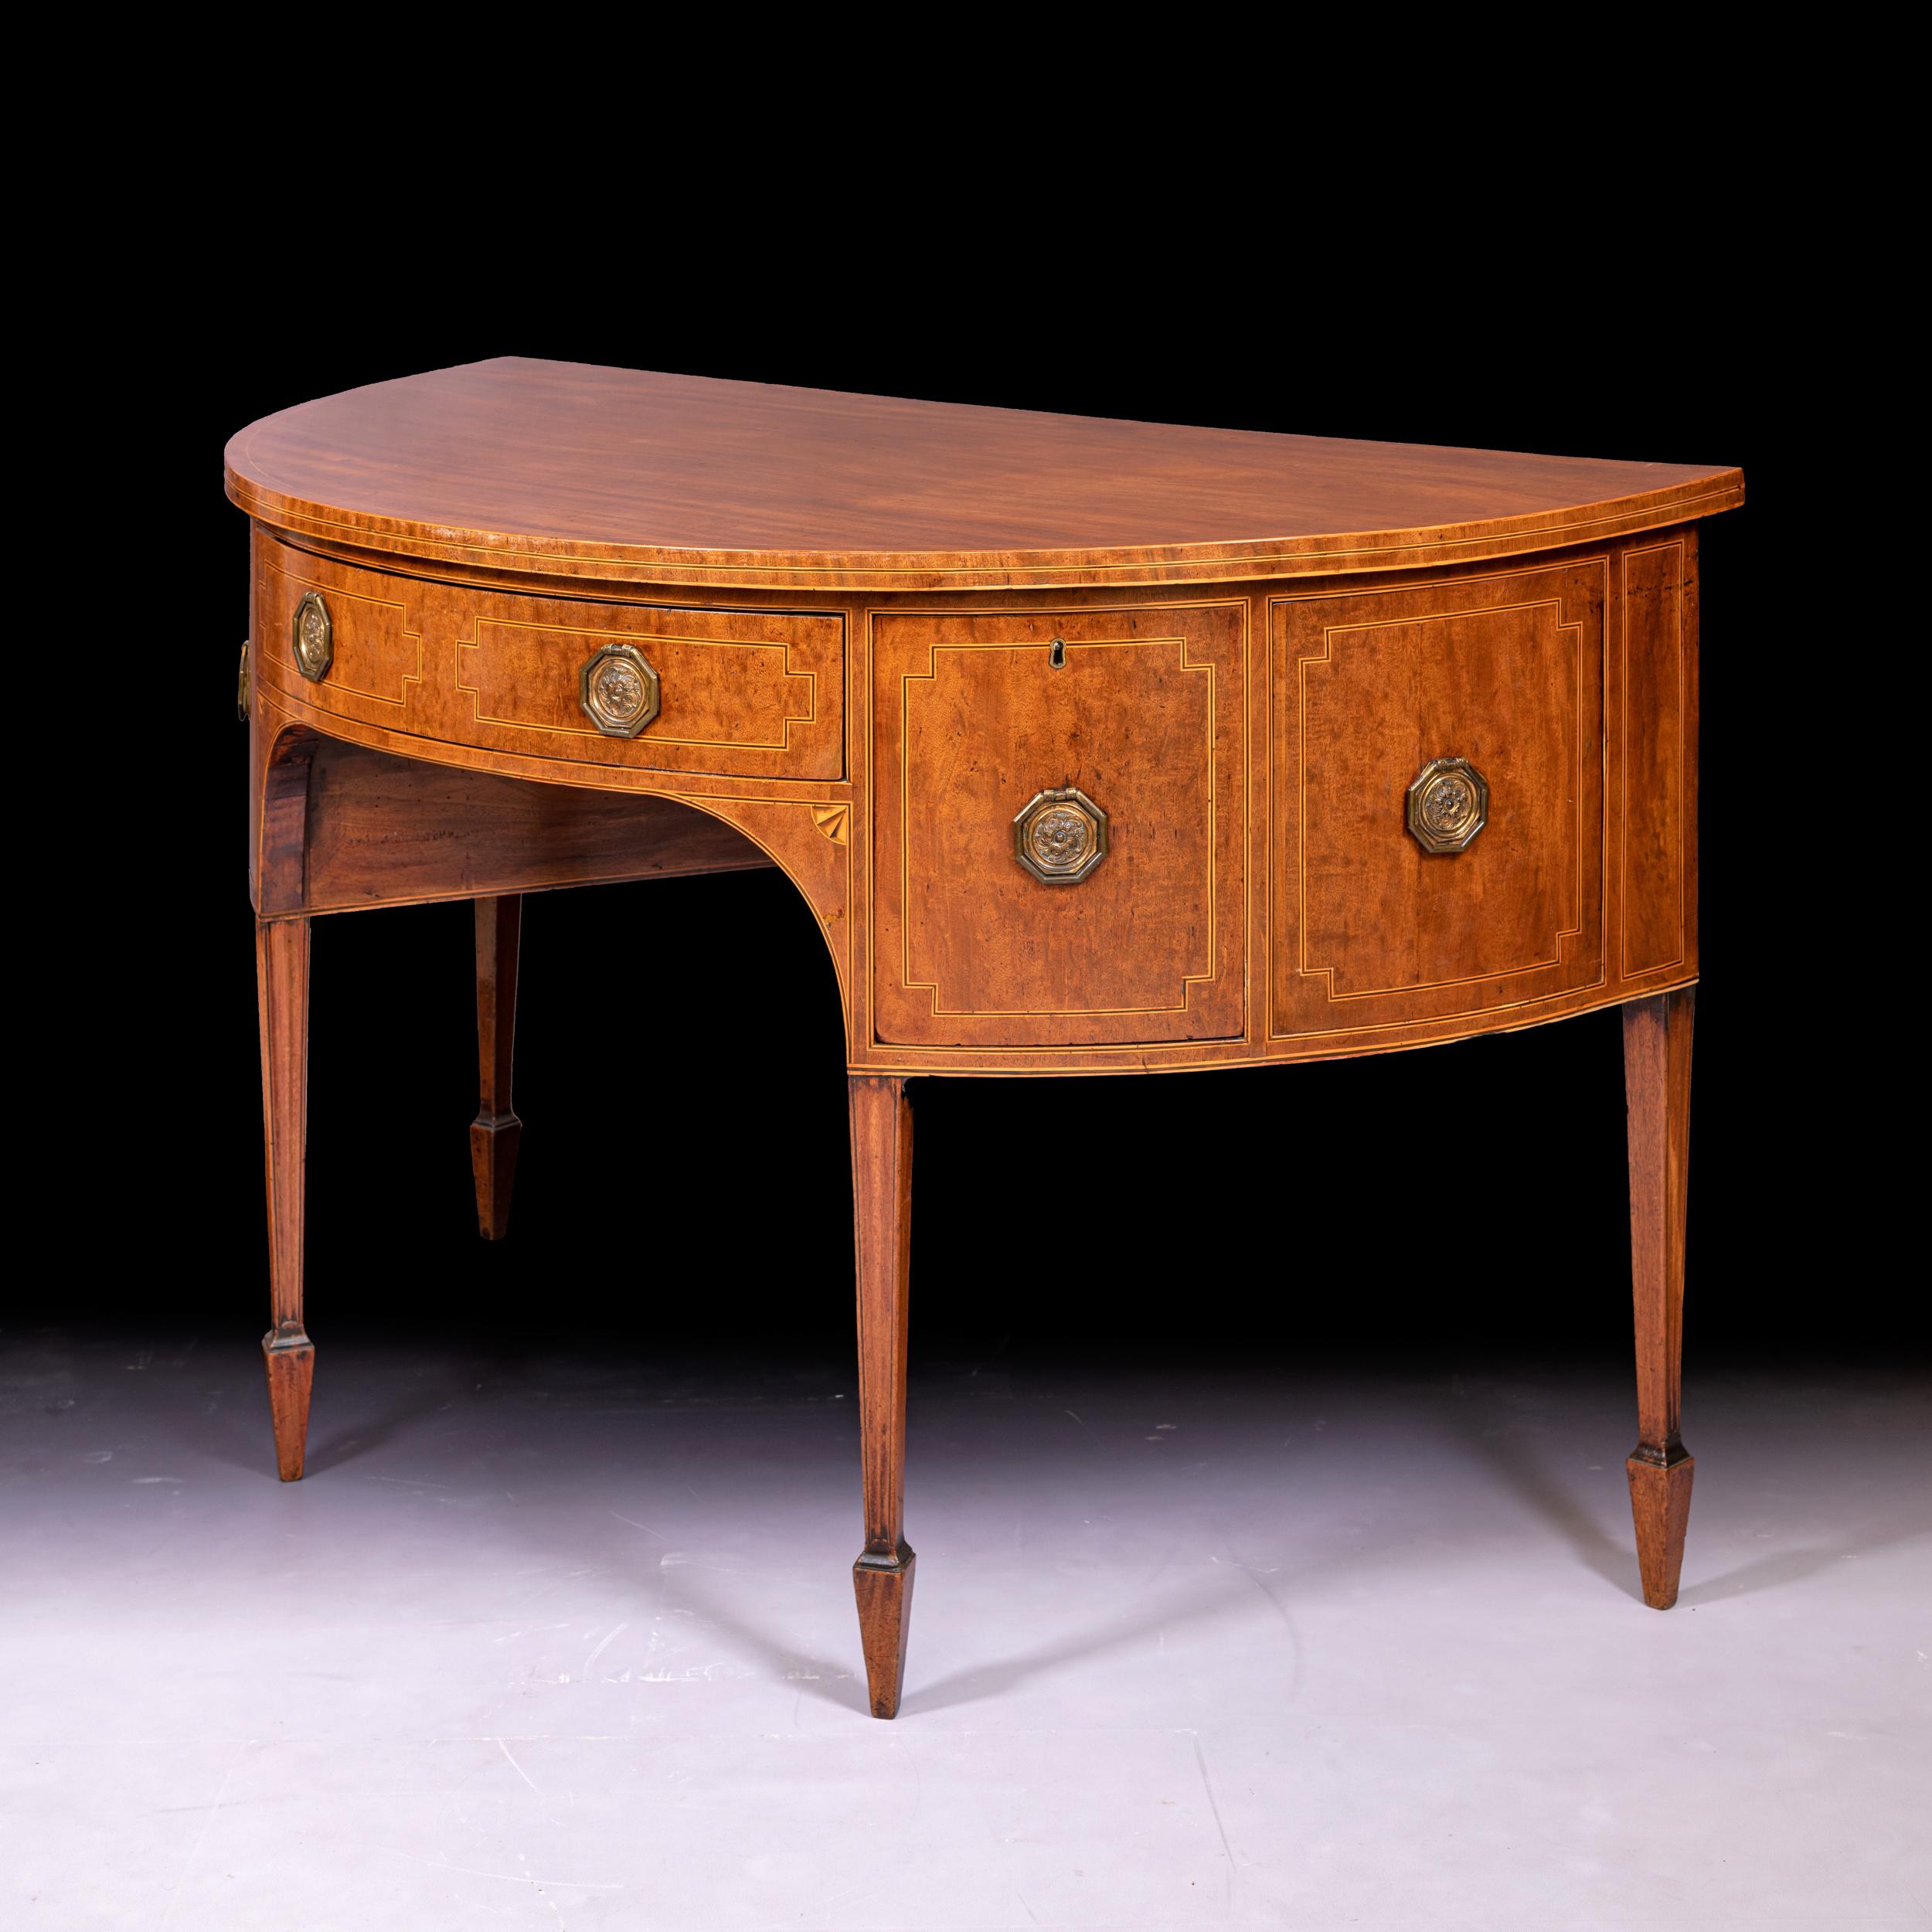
<point x="684" y="1172"/>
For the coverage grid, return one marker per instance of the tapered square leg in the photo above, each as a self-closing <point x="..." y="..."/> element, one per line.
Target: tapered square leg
<point x="290" y="1360"/>
<point x="1660" y="1495"/>
<point x="496" y="1130"/>
<point x="882" y="1167"/>
<point x="883" y="1586"/>
<point x="1657" y="1073"/>
<point x="281" y="985"/>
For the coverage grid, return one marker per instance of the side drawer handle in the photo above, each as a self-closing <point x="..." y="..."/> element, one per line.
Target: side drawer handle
<point x="1060" y="836"/>
<point x="1448" y="804"/>
<point x="619" y="690"/>
<point x="313" y="639"/>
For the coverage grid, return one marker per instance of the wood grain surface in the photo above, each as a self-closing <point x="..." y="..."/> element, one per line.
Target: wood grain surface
<point x="1657" y="1086"/>
<point x="1572" y="681"/>
<point x="1142" y="710"/>
<point x="281" y="987"/>
<point x="982" y="605"/>
<point x="391" y="831"/>
<point x="572" y="470"/>
<point x="747" y="693"/>
<point x="1503" y="668"/>
<point x="496" y="1133"/>
<point x="881" y="1186"/>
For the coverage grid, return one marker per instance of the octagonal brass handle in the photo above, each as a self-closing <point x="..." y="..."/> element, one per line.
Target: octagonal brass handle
<point x="313" y="637"/>
<point x="1060" y="836"/>
<point x="619" y="690"/>
<point x="1448" y="804"/>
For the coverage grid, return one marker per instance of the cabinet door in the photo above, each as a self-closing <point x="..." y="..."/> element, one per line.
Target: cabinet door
<point x="973" y="717"/>
<point x="1372" y="929"/>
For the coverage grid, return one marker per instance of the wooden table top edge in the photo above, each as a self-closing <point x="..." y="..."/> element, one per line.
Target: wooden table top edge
<point x="391" y="530"/>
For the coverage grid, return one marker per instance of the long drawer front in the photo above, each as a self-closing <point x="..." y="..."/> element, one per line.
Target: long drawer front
<point x="747" y="693"/>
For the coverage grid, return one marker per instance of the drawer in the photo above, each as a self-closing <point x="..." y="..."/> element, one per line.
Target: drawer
<point x="1057" y="825"/>
<point x="743" y="692"/>
<point x="1405" y="887"/>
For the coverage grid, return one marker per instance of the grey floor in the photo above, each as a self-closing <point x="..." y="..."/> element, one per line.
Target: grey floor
<point x="569" y="1642"/>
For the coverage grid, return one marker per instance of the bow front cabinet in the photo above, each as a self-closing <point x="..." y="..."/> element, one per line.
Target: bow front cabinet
<point x="1092" y="747"/>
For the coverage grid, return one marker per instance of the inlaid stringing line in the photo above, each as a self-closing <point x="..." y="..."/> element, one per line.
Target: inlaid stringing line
<point x="661" y="557"/>
<point x="478" y="619"/>
<point x="357" y="596"/>
<point x="1329" y="595"/>
<point x="647" y="737"/>
<point x="910" y="984"/>
<point x="1329" y="634"/>
<point x="874" y="1046"/>
<point x="1683" y="730"/>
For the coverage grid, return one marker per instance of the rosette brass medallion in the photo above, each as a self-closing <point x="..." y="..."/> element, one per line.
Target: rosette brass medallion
<point x="315" y="637"/>
<point x="1448" y="804"/>
<point x="1061" y="836"/>
<point x="619" y="690"/>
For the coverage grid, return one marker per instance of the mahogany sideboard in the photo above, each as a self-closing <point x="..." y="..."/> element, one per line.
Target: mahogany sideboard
<point x="1093" y="747"/>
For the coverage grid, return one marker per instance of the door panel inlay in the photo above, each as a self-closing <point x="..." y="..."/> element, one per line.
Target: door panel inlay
<point x="976" y="717"/>
<point x="1505" y="672"/>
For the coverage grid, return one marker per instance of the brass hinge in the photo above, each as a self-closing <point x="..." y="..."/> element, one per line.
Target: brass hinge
<point x="241" y="688"/>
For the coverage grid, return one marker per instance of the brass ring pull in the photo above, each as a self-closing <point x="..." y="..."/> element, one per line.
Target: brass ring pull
<point x="1448" y="804"/>
<point x="1060" y="836"/>
<point x="314" y="638"/>
<point x="619" y="691"/>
